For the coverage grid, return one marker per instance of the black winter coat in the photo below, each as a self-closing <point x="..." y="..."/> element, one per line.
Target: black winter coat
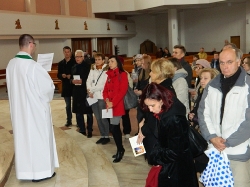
<point x="172" y="149"/>
<point x="149" y="130"/>
<point x="65" y="68"/>
<point x="80" y="91"/>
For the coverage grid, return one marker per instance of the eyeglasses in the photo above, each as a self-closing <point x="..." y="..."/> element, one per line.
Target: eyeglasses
<point x="33" y="43"/>
<point x="228" y="62"/>
<point x="78" y="57"/>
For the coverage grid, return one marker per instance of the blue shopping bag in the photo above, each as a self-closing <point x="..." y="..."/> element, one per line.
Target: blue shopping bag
<point x="217" y="172"/>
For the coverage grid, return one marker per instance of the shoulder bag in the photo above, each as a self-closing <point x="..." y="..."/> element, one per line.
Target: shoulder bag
<point x="130" y="99"/>
<point x="197" y="143"/>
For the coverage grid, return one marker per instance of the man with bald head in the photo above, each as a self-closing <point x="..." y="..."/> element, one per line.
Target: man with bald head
<point x="224" y="114"/>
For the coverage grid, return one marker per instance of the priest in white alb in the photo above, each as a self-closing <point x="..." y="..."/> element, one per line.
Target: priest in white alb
<point x="30" y="90"/>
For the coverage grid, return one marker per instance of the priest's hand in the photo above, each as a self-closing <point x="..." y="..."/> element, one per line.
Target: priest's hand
<point x="64" y="75"/>
<point x="68" y="76"/>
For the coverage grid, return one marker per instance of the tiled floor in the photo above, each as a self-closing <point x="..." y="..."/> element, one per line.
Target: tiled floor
<point x="131" y="171"/>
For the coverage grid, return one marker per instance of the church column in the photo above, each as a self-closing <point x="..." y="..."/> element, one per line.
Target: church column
<point x="30" y="6"/>
<point x="114" y="42"/>
<point x="172" y="28"/>
<point x="94" y="44"/>
<point x="182" y="29"/>
<point x="247" y="27"/>
<point x="65" y="7"/>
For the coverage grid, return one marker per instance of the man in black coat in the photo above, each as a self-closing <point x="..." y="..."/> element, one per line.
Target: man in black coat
<point x="64" y="74"/>
<point x="80" y="72"/>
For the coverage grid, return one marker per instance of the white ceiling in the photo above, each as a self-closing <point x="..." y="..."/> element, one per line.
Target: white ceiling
<point x="164" y="9"/>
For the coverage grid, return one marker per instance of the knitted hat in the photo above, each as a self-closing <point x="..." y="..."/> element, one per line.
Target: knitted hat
<point x="138" y="56"/>
<point x="204" y="63"/>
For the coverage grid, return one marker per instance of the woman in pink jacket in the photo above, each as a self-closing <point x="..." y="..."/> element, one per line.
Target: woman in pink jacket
<point x="114" y="91"/>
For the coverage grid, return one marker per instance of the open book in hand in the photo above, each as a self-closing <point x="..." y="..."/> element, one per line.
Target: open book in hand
<point x="138" y="149"/>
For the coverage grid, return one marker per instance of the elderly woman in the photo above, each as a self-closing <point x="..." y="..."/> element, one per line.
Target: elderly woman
<point x="114" y="91"/>
<point x="162" y="72"/>
<point x="172" y="148"/>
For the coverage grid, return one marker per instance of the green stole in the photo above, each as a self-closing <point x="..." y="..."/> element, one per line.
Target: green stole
<point x="23" y="56"/>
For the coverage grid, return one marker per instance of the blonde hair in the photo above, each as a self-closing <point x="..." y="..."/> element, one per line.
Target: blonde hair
<point x="147" y="60"/>
<point x="163" y="68"/>
<point x="213" y="72"/>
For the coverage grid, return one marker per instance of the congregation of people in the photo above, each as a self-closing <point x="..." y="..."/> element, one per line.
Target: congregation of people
<point x="170" y="99"/>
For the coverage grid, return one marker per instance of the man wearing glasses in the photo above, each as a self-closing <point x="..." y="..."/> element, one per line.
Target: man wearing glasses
<point x="224" y="114"/>
<point x="30" y="90"/>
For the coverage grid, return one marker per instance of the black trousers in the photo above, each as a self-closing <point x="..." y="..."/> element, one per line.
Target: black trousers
<point x="117" y="135"/>
<point x="126" y="123"/>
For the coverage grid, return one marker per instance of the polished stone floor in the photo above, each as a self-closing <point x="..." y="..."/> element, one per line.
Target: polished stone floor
<point x="82" y="162"/>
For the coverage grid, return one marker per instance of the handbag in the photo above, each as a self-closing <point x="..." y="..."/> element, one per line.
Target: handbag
<point x="197" y="143"/>
<point x="217" y="172"/>
<point x="152" y="179"/>
<point x="130" y="99"/>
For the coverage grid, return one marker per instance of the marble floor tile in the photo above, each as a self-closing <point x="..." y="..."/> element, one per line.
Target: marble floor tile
<point x="74" y="148"/>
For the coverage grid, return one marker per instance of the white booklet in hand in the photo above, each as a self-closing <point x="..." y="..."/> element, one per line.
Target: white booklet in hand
<point x="45" y="60"/>
<point x="77" y="77"/>
<point x="91" y="101"/>
<point x="107" y="113"/>
<point x="138" y="149"/>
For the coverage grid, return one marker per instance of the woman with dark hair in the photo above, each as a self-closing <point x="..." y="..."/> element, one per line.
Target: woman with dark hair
<point x="166" y="53"/>
<point x="162" y="72"/>
<point x="246" y="64"/>
<point x="172" y="148"/>
<point x="114" y="91"/>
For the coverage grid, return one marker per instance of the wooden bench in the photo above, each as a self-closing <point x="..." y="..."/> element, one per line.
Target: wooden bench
<point x="57" y="82"/>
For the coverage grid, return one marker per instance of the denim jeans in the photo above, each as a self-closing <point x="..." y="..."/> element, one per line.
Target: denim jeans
<point x="68" y="109"/>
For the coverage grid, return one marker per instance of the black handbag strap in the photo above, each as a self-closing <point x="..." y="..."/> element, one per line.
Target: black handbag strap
<point x="98" y="78"/>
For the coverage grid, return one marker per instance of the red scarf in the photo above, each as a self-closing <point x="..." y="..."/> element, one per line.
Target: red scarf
<point x="157" y="116"/>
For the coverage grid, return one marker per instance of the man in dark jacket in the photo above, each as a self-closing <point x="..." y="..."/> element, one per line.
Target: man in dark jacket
<point x="215" y="62"/>
<point x="80" y="72"/>
<point x="64" y="73"/>
<point x="179" y="53"/>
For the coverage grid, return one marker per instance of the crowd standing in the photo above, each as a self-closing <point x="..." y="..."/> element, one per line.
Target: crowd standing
<point x="169" y="101"/>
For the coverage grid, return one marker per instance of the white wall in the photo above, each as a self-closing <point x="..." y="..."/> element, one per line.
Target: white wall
<point x="145" y="29"/>
<point x="209" y="28"/>
<point x="162" y="31"/>
<point x="52" y="46"/>
<point x="248" y="27"/>
<point x="123" y="45"/>
<point x="8" y="50"/>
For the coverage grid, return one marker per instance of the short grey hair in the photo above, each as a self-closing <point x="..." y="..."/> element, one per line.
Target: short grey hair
<point x="79" y="51"/>
<point x="238" y="53"/>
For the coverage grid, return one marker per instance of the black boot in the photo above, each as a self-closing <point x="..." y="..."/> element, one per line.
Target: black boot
<point x="114" y="156"/>
<point x="119" y="156"/>
<point x="117" y="134"/>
